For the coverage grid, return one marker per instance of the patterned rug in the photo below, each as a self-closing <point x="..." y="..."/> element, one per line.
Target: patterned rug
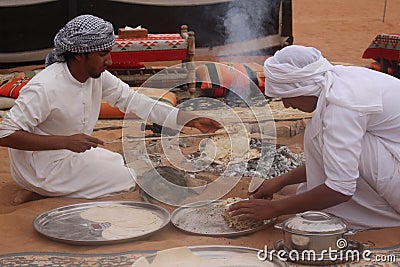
<point x="383" y="257"/>
<point x="58" y="259"/>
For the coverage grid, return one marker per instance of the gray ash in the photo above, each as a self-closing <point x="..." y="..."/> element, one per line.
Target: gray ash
<point x="273" y="162"/>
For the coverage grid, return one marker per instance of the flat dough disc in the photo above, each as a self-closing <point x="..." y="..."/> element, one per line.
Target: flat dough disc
<point x="125" y="221"/>
<point x="231" y="147"/>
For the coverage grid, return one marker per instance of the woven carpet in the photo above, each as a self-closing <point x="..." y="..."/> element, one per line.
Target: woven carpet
<point x="54" y="259"/>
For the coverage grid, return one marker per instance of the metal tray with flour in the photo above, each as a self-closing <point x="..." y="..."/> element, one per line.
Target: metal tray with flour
<point x="205" y="218"/>
<point x="70" y="224"/>
<point x="227" y="252"/>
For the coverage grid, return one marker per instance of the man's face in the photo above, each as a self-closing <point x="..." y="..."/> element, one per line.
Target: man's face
<point x="97" y="62"/>
<point x="303" y="103"/>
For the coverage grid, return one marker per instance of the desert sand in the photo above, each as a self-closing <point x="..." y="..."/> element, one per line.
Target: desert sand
<point x="341" y="29"/>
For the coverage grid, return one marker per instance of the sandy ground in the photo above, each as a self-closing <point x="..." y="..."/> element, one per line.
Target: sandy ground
<point x="341" y="29"/>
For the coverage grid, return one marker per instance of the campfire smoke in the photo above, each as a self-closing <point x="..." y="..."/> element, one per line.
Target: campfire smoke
<point x="247" y="20"/>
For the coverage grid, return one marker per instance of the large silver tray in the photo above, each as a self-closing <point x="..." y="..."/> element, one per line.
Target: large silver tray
<point x="66" y="225"/>
<point x="198" y="218"/>
<point x="218" y="252"/>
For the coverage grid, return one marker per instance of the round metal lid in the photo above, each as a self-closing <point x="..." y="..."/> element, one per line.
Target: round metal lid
<point x="314" y="222"/>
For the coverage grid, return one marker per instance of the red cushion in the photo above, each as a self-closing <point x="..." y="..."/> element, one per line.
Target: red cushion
<point x="216" y="78"/>
<point x="12" y="87"/>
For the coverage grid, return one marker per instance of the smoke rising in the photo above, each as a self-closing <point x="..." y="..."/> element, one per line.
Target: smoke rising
<point x="250" y="19"/>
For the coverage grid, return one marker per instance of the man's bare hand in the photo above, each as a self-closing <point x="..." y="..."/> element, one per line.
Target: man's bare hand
<point x="266" y="189"/>
<point x="82" y="142"/>
<point x="205" y="125"/>
<point x="257" y="209"/>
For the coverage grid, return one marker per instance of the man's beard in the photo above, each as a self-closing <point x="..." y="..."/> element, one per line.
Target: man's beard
<point x="95" y="75"/>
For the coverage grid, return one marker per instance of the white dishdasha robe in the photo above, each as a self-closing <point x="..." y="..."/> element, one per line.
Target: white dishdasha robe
<point x="55" y="103"/>
<point x="358" y="154"/>
<point x="352" y="142"/>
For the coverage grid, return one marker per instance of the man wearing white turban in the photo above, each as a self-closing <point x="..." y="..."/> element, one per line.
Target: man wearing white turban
<point x="351" y="144"/>
<point x="48" y="130"/>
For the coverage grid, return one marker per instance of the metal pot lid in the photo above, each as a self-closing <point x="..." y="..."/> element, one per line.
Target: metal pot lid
<point x="314" y="222"/>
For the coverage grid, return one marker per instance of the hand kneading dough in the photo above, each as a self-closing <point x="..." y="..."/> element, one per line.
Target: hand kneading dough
<point x="233" y="221"/>
<point x="184" y="257"/>
<point x="125" y="221"/>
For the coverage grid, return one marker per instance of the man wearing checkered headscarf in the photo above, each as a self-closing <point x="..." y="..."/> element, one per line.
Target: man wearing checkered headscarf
<point x="48" y="130"/>
<point x="83" y="34"/>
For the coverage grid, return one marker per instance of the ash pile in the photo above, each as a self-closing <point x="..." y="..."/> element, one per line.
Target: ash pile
<point x="271" y="163"/>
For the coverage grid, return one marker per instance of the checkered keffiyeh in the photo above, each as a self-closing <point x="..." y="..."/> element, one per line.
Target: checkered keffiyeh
<point x="85" y="33"/>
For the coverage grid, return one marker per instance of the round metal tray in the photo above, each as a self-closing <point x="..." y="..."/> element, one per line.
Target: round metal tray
<point x="198" y="218"/>
<point x="65" y="224"/>
<point x="224" y="252"/>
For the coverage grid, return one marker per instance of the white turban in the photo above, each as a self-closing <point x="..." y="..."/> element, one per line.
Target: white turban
<point x="296" y="71"/>
<point x="302" y="71"/>
<point x="85" y="33"/>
